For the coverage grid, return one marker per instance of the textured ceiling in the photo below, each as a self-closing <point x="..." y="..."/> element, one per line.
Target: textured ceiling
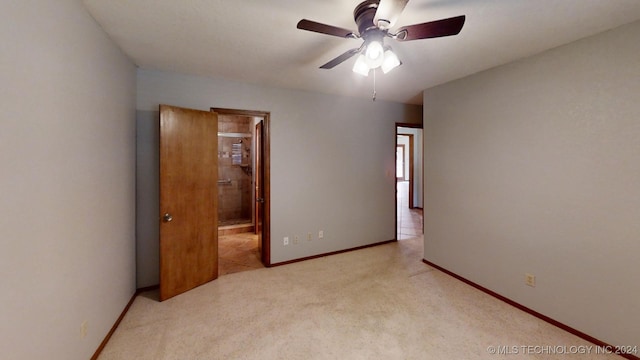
<point x="256" y="41"/>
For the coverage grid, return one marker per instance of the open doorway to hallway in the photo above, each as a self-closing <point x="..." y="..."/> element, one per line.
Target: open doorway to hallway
<point x="409" y="183"/>
<point x="409" y="220"/>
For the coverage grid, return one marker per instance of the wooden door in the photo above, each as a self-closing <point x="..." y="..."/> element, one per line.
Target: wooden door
<point x="188" y="199"/>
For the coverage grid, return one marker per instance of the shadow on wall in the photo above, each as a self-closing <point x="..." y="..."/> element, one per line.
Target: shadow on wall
<point x="147" y="198"/>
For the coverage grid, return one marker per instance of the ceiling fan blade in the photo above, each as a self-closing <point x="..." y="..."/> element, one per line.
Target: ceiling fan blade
<point x="309" y="25"/>
<point x="388" y="11"/>
<point x="340" y="59"/>
<point x="432" y="29"/>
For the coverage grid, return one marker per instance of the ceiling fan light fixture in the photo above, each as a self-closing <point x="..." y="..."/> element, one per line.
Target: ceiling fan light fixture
<point x="361" y="67"/>
<point x="374" y="19"/>
<point x="374" y="54"/>
<point x="390" y="61"/>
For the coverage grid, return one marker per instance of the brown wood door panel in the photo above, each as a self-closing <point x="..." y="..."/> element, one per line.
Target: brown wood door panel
<point x="188" y="195"/>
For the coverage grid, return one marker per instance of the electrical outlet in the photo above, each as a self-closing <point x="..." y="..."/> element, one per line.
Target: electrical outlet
<point x="286" y="240"/>
<point x="320" y="234"/>
<point x="309" y="237"/>
<point x="530" y="280"/>
<point x="296" y="239"/>
<point x="83" y="329"/>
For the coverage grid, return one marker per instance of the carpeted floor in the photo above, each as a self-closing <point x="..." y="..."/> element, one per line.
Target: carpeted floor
<point x="376" y="303"/>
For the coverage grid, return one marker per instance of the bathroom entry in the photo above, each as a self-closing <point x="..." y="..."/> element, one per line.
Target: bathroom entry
<point x="243" y="184"/>
<point x="235" y="172"/>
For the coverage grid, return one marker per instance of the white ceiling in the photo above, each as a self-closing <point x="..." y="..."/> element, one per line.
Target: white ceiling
<point x="256" y="41"/>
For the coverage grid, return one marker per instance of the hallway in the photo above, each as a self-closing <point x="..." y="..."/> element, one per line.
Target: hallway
<point x="409" y="220"/>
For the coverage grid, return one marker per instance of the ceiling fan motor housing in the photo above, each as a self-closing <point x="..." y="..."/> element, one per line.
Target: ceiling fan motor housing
<point x="364" y="15"/>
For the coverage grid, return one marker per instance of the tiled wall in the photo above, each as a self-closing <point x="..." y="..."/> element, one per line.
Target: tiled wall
<point x="234" y="172"/>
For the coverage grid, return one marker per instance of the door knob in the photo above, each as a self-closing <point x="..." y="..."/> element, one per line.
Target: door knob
<point x="167" y="217"/>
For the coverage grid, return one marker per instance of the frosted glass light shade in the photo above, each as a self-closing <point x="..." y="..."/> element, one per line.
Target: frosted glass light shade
<point x="374" y="54"/>
<point x="390" y="61"/>
<point x="361" y="67"/>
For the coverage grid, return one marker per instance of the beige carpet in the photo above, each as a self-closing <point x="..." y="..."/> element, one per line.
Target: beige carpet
<point x="376" y="303"/>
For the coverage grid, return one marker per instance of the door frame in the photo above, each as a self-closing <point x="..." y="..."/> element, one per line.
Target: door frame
<point x="258" y="179"/>
<point x="411" y="168"/>
<point x="407" y="177"/>
<point x="266" y="184"/>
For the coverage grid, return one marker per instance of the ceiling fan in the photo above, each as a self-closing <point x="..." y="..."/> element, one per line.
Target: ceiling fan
<point x="374" y="19"/>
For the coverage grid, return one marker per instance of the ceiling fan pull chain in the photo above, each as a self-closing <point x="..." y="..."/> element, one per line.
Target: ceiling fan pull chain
<point x="374" y="84"/>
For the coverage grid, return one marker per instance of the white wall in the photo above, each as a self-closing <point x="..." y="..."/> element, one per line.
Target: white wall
<point x="66" y="181"/>
<point x="404" y="142"/>
<point x="534" y="167"/>
<point x="332" y="162"/>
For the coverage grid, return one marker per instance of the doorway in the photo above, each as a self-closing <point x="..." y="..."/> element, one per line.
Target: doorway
<point x="243" y="151"/>
<point x="409" y="184"/>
